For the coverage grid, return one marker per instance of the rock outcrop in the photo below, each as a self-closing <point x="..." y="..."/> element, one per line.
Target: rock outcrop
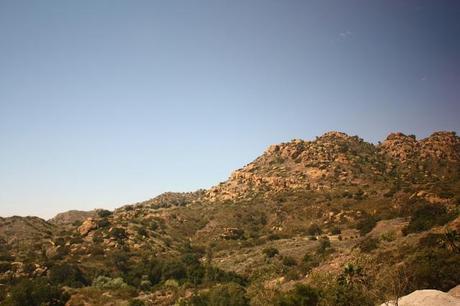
<point x="426" y="298"/>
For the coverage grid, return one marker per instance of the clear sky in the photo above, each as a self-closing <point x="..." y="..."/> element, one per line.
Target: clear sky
<point x="104" y="103"/>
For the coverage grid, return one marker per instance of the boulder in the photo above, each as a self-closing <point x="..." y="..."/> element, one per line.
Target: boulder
<point x="87" y="226"/>
<point x="426" y="297"/>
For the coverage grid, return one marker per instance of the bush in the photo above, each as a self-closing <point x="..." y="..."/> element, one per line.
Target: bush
<point x="302" y="295"/>
<point x="289" y="261"/>
<point x="104" y="222"/>
<point x="103" y="213"/>
<point x="173" y="269"/>
<point x="142" y="232"/>
<point x="427" y="216"/>
<point x="68" y="275"/>
<point x="435" y="269"/>
<point x="228" y="295"/>
<point x="270" y="252"/>
<point x="314" y="230"/>
<point x="217" y="275"/>
<point x="104" y="282"/>
<point x="323" y="247"/>
<point x="366" y="224"/>
<point x="368" y="244"/>
<point x="5" y="266"/>
<point x="36" y="292"/>
<point x="136" y="303"/>
<point x="119" y="234"/>
<point x="336" y="231"/>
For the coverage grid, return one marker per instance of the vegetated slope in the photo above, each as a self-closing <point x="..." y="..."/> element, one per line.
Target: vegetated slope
<point x="345" y="217"/>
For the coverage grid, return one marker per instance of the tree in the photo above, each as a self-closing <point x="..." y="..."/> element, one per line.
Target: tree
<point x="36" y="292"/>
<point x="69" y="275"/>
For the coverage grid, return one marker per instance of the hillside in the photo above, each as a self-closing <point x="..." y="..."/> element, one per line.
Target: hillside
<point x="335" y="219"/>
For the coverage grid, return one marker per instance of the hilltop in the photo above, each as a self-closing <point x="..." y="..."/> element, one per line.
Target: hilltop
<point x="336" y="218"/>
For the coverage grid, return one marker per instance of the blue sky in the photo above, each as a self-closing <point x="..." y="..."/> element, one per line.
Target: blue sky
<point x="104" y="103"/>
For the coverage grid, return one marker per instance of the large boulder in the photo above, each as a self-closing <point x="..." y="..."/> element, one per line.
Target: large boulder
<point x="87" y="226"/>
<point x="426" y="298"/>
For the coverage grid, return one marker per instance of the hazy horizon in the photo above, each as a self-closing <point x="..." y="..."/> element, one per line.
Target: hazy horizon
<point x="108" y="103"/>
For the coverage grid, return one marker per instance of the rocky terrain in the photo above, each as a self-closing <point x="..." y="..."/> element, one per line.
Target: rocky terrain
<point x="332" y="221"/>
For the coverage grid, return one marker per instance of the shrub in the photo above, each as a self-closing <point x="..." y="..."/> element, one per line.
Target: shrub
<point x="230" y="294"/>
<point x="289" y="261"/>
<point x="366" y="224"/>
<point x="104" y="222"/>
<point x="323" y="247"/>
<point x="68" y="275"/>
<point x="302" y="295"/>
<point x="427" y="216"/>
<point x="173" y="270"/>
<point x="435" y="269"/>
<point x="153" y="226"/>
<point x="103" y="282"/>
<point x="388" y="236"/>
<point x="142" y="231"/>
<point x="368" y="244"/>
<point x="314" y="230"/>
<point x="119" y="234"/>
<point x="136" y="303"/>
<point x="217" y="275"/>
<point x="77" y="223"/>
<point x="336" y="231"/>
<point x="103" y="213"/>
<point x="36" y="292"/>
<point x="5" y="266"/>
<point x="270" y="252"/>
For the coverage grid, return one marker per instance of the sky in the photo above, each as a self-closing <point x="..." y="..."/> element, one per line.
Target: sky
<point x="105" y="103"/>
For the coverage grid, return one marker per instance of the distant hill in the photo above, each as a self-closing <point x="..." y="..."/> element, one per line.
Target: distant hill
<point x="72" y="217"/>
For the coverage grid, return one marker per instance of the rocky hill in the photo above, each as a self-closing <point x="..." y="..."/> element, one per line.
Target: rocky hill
<point x="336" y="159"/>
<point x="72" y="217"/>
<point x="336" y="219"/>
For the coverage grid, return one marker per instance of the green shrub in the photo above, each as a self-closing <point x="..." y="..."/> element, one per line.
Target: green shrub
<point x="435" y="269"/>
<point x="104" y="282"/>
<point x="388" y="236"/>
<point x="230" y="294"/>
<point x="324" y="246"/>
<point x="4" y="266"/>
<point x="314" y="230"/>
<point x="103" y="213"/>
<point x="119" y="234"/>
<point x="302" y="295"/>
<point x="366" y="224"/>
<point x="136" y="303"/>
<point x="68" y="275"/>
<point x="427" y="216"/>
<point x="336" y="231"/>
<point x="173" y="269"/>
<point x="270" y="252"/>
<point x="289" y="261"/>
<point x="368" y="244"/>
<point x="104" y="222"/>
<point x="36" y="292"/>
<point x="142" y="231"/>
